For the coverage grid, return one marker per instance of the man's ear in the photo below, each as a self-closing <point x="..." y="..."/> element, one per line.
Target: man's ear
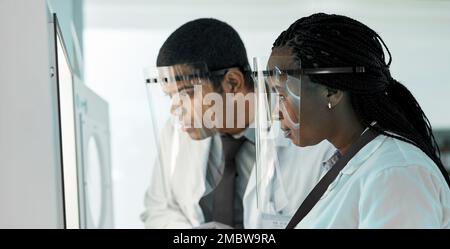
<point x="233" y="81"/>
<point x="334" y="97"/>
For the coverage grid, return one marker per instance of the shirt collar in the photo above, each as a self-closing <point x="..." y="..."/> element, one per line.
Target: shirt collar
<point x="248" y="133"/>
<point x="363" y="155"/>
<point x="357" y="159"/>
<point x="330" y="162"/>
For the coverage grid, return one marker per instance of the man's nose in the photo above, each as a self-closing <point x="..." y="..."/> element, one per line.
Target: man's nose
<point x="276" y="112"/>
<point x="175" y="106"/>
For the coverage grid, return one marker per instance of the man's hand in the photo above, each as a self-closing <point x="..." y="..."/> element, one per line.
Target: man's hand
<point x="213" y="225"/>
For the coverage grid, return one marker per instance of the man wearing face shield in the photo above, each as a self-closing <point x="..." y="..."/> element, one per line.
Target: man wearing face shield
<point x="204" y="162"/>
<point x="206" y="150"/>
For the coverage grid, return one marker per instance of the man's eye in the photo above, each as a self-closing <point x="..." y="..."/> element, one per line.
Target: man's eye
<point x="187" y="92"/>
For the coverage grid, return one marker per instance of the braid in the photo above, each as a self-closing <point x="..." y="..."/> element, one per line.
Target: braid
<point x="322" y="40"/>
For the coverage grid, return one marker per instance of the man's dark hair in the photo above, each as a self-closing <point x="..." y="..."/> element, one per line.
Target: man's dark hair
<point x="206" y="40"/>
<point x="323" y="40"/>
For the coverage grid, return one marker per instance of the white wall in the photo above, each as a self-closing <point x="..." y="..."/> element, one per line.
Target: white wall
<point x="123" y="37"/>
<point x="70" y="18"/>
<point x="115" y="72"/>
<point x="30" y="187"/>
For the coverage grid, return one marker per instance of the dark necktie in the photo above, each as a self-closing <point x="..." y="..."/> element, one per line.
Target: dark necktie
<point x="221" y="200"/>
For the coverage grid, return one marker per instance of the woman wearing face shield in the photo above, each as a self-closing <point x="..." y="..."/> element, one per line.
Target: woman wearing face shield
<point x="333" y="82"/>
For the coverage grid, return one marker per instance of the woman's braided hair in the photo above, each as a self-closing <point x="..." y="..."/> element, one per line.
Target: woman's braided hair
<point x="323" y="40"/>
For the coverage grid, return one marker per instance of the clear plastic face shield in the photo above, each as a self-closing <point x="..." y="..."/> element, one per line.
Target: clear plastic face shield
<point x="279" y="85"/>
<point x="183" y="105"/>
<point x="175" y="122"/>
<point x="196" y="106"/>
<point x="278" y="100"/>
<point x="187" y="112"/>
<point x="178" y="92"/>
<point x="278" y="96"/>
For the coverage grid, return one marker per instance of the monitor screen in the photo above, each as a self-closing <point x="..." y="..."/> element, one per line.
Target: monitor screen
<point x="66" y="107"/>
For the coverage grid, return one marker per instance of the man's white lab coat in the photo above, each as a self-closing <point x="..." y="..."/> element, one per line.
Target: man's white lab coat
<point x="172" y="200"/>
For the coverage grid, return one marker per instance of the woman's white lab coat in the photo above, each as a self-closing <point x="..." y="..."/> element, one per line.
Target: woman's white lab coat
<point x="300" y="170"/>
<point x="387" y="184"/>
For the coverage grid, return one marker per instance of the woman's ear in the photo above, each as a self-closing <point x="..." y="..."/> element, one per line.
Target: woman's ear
<point x="233" y="81"/>
<point x="334" y="97"/>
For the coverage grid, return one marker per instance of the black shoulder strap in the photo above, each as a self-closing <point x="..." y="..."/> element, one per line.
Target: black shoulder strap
<point x="315" y="195"/>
